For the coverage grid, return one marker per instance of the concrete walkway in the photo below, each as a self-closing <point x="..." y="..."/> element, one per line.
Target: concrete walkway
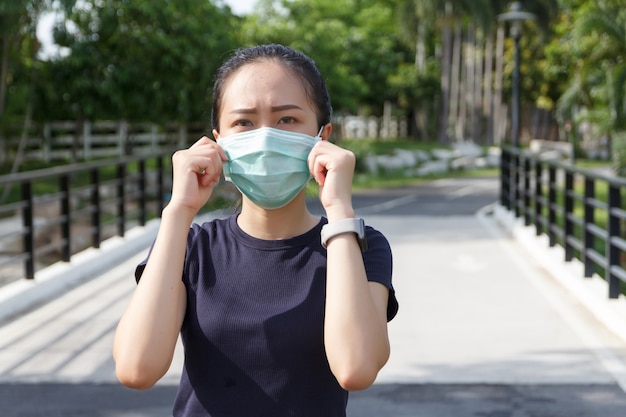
<point x="484" y="329"/>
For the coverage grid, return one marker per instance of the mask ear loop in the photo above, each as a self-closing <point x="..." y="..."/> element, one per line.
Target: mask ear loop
<point x="319" y="134"/>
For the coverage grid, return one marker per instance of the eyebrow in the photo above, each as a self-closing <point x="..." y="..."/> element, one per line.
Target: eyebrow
<point x="274" y="109"/>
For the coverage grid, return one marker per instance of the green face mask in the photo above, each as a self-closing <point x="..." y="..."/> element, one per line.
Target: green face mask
<point x="269" y="166"/>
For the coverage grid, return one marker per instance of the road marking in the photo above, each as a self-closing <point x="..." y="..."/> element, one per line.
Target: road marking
<point x="388" y="205"/>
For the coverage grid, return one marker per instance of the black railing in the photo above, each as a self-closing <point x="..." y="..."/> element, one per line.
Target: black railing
<point x="66" y="209"/>
<point x="581" y="210"/>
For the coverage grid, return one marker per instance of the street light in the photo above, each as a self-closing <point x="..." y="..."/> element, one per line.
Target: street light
<point x="516" y="16"/>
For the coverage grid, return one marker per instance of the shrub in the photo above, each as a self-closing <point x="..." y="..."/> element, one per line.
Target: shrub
<point x="619" y="155"/>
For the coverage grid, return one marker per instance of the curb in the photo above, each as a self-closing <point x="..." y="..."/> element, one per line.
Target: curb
<point x="21" y="296"/>
<point x="24" y="295"/>
<point x="591" y="292"/>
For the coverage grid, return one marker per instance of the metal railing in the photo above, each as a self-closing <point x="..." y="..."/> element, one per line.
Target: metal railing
<point x="581" y="210"/>
<point x="54" y="213"/>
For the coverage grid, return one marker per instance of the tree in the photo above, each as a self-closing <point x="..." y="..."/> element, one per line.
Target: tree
<point x="138" y="60"/>
<point x="18" y="48"/>
<point x="354" y="43"/>
<point x="599" y="84"/>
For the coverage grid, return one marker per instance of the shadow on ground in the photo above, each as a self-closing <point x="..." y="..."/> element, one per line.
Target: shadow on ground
<point x="392" y="400"/>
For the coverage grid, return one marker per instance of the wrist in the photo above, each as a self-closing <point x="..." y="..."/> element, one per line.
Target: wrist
<point x="178" y="213"/>
<point x="339" y="213"/>
<point x="342" y="227"/>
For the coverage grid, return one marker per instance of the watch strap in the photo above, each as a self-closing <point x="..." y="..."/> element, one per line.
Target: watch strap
<point x="339" y="227"/>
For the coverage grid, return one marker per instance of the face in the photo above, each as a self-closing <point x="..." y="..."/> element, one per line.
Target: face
<point x="265" y="94"/>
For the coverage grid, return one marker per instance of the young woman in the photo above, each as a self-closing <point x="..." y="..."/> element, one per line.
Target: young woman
<point x="281" y="312"/>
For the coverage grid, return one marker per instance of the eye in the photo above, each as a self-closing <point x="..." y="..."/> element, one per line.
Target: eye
<point x="242" y="123"/>
<point x="287" y="120"/>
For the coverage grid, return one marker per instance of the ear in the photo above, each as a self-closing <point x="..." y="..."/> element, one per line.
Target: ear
<point x="216" y="135"/>
<point x="326" y="131"/>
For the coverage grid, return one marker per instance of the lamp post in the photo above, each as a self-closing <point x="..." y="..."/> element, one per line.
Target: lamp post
<point x="516" y="16"/>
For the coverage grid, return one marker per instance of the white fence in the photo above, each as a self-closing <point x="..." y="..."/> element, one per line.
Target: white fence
<point x="359" y="127"/>
<point x="73" y="140"/>
<point x="85" y="141"/>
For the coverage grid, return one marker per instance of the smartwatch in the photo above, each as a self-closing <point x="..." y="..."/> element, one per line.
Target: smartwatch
<point x="339" y="227"/>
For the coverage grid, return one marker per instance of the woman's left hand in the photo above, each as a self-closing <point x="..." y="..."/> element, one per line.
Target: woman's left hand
<point x="333" y="169"/>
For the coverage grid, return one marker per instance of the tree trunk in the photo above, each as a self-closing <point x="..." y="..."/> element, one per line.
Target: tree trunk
<point x="446" y="78"/>
<point x="19" y="156"/>
<point x="463" y="88"/>
<point x="488" y="89"/>
<point x="456" y="75"/>
<point x="421" y="111"/>
<point x="498" y="109"/>
<point x="477" y="122"/>
<point x="4" y="69"/>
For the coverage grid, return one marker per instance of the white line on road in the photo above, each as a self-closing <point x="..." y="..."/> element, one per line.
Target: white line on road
<point x="388" y="205"/>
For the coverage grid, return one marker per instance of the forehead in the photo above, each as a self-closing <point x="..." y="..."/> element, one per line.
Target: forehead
<point x="263" y="82"/>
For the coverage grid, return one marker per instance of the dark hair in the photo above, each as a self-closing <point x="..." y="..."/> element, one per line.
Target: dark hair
<point x="303" y="66"/>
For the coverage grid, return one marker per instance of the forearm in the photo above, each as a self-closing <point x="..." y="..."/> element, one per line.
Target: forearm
<point x="355" y="329"/>
<point x="148" y="330"/>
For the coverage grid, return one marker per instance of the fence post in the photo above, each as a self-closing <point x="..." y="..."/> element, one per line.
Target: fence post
<point x="551" y="204"/>
<point x="142" y="192"/>
<point x="47" y="139"/>
<point x="515" y="177"/>
<point x="122" y="136"/>
<point x="538" y="197"/>
<point x="87" y="140"/>
<point x="121" y="206"/>
<point x="568" y="204"/>
<point x="505" y="181"/>
<point x="29" y="233"/>
<point x="95" y="208"/>
<point x="160" y="186"/>
<point x="64" y="186"/>
<point x="527" y="191"/>
<point x="612" y="250"/>
<point x="588" y="221"/>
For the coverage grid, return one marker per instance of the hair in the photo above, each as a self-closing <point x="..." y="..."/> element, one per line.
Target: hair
<point x="301" y="65"/>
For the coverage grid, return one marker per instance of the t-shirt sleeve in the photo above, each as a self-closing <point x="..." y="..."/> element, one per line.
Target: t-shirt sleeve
<point x="142" y="265"/>
<point x="378" y="263"/>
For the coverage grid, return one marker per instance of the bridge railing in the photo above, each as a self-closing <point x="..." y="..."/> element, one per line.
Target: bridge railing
<point x="581" y="210"/>
<point x="54" y="213"/>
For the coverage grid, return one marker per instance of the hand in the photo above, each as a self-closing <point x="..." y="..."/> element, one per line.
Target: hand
<point x="196" y="170"/>
<point x="333" y="169"/>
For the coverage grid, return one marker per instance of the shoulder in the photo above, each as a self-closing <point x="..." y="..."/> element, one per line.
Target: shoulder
<point x="215" y="229"/>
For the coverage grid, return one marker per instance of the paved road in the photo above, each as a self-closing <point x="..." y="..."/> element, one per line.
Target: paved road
<point x="482" y="330"/>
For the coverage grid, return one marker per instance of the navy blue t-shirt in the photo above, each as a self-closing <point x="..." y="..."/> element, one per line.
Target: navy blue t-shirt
<point x="253" y="330"/>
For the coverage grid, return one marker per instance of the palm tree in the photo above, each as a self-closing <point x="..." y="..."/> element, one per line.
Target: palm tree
<point x="600" y="82"/>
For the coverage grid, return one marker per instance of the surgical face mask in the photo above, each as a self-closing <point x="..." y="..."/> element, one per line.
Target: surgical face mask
<point x="269" y="166"/>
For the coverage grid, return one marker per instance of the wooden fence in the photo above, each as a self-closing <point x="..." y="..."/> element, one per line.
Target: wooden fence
<point x="75" y="140"/>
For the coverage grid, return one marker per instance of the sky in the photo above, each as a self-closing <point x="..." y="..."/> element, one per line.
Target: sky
<point x="44" y="29"/>
<point x="241" y="7"/>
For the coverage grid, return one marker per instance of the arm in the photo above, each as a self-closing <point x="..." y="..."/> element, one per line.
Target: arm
<point x="355" y="327"/>
<point x="146" y="335"/>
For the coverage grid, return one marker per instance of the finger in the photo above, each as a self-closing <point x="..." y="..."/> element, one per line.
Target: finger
<point x="318" y="169"/>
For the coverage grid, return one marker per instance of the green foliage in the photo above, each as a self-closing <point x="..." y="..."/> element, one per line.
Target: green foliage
<point x="412" y="85"/>
<point x="139" y="60"/>
<point x="596" y="38"/>
<point x="619" y="154"/>
<point x="354" y="43"/>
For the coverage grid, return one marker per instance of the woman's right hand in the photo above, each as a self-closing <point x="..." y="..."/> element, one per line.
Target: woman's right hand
<point x="196" y="171"/>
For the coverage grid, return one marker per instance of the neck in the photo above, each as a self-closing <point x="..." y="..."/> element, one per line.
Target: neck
<point x="291" y="220"/>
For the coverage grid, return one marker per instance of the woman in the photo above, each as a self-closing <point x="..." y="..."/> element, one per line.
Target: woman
<point x="275" y="320"/>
